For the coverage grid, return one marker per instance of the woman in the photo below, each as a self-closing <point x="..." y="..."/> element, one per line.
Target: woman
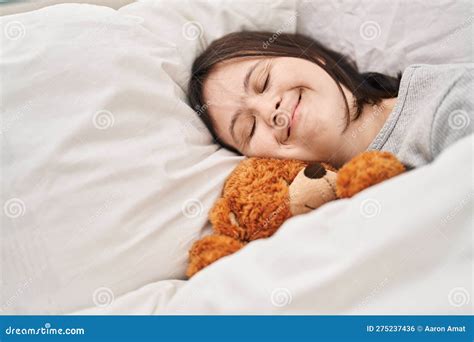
<point x="293" y="98"/>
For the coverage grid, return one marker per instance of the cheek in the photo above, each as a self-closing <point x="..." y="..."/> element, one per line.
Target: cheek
<point x="323" y="118"/>
<point x="330" y="102"/>
<point x="263" y="143"/>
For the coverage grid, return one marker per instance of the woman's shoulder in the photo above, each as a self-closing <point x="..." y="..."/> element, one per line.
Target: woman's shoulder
<point x="433" y="72"/>
<point x="434" y="82"/>
<point x="441" y="67"/>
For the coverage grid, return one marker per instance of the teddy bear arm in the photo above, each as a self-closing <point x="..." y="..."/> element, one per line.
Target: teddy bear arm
<point x="367" y="169"/>
<point x="210" y="249"/>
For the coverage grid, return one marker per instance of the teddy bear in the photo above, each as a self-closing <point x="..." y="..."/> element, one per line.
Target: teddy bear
<point x="262" y="193"/>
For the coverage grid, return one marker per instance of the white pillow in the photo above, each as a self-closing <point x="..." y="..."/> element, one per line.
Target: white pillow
<point x="14" y="7"/>
<point x="107" y="174"/>
<point x="387" y="36"/>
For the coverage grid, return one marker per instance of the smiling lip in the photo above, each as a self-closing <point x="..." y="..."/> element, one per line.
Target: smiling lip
<point x="294" y="116"/>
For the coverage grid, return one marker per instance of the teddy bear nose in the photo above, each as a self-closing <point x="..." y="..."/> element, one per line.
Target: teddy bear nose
<point x="315" y="171"/>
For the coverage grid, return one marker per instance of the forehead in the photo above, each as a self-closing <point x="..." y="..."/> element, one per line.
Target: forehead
<point x="225" y="81"/>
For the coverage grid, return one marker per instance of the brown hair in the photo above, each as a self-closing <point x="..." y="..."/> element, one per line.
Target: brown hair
<point x="367" y="88"/>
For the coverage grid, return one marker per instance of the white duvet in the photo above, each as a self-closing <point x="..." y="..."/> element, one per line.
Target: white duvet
<point x="401" y="247"/>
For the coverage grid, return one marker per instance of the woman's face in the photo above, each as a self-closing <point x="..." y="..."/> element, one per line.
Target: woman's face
<point x="281" y="107"/>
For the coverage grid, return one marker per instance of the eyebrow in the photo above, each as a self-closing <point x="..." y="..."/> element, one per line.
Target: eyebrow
<point x="239" y="112"/>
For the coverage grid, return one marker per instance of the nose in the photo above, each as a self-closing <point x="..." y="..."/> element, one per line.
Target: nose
<point x="315" y="171"/>
<point x="270" y="111"/>
<point x="266" y="106"/>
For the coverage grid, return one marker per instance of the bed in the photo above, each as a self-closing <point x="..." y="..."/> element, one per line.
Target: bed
<point x="107" y="174"/>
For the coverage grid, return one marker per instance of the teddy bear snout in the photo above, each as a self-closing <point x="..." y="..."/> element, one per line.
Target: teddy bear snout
<point x="312" y="187"/>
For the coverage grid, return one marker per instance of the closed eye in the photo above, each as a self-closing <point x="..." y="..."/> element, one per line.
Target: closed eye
<point x="267" y="71"/>
<point x="267" y="80"/>
<point x="253" y="129"/>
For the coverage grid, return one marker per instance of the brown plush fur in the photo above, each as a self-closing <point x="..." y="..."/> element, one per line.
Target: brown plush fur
<point x="365" y="170"/>
<point x="255" y="200"/>
<point x="210" y="249"/>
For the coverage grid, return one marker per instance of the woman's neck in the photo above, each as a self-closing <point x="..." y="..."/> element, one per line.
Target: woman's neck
<point x="361" y="132"/>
